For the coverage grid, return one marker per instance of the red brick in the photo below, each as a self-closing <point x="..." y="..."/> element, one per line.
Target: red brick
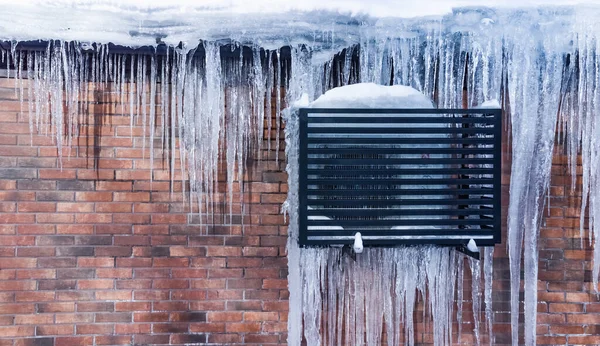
<point x="583" y="318"/>
<point x="131" y="218"/>
<point x="57" y="174"/>
<point x="74" y="341"/>
<point x="74" y="318"/>
<point x="114" y="186"/>
<point x="74" y="229"/>
<point x="77" y="207"/>
<point x="114" y="207"/>
<point x="113" y="229"/>
<point x="56" y="307"/>
<point x="207" y="327"/>
<point x="189" y="273"/>
<point x="8" y="274"/>
<point x="260" y="251"/>
<point x="131" y="196"/>
<point x="216" y="251"/>
<point x="251" y="327"/>
<point x="93" y="218"/>
<point x="150" y="316"/>
<point x="95" y="262"/>
<point x="36" y="274"/>
<point x="180" y="251"/>
<point x="20" y="262"/>
<point x="36" y="229"/>
<point x="136" y="328"/>
<point x="59" y="329"/>
<point x="17" y="331"/>
<point x="113" y="295"/>
<point x="17" y="240"/>
<point x="224" y="316"/>
<point x="116" y="273"/>
<point x="17" y="218"/>
<point x="33" y="207"/>
<point x="113" y="317"/>
<point x="102" y="329"/>
<point x="34" y="296"/>
<point x="170" y="284"/>
<point x="17" y="308"/>
<point x="96" y="196"/>
<point x="95" y="284"/>
<point x="21" y="285"/>
<point x="171" y="262"/>
<point x="170" y="306"/>
<point x="151" y="229"/>
<point x="54" y="218"/>
<point x="34" y="319"/>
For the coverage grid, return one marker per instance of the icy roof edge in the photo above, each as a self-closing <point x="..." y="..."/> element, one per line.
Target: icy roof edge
<point x="174" y="9"/>
<point x="324" y="31"/>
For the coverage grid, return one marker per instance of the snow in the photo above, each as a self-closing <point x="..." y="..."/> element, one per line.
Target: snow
<point x="371" y="95"/>
<point x="325" y="25"/>
<point x="495" y="104"/>
<point x="375" y="8"/>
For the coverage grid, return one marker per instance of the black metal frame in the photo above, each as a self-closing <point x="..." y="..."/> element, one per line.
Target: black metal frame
<point x="463" y="204"/>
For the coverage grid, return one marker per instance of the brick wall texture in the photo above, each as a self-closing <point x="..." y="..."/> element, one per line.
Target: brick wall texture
<point x="94" y="253"/>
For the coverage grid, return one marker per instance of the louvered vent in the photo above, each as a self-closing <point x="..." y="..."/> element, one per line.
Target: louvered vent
<point x="400" y="176"/>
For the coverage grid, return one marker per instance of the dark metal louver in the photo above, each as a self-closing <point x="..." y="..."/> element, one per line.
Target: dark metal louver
<point x="400" y="176"/>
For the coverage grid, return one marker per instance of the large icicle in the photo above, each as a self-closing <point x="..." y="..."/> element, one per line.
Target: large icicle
<point x="534" y="69"/>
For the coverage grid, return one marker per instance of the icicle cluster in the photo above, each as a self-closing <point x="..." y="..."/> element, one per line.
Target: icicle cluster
<point x="523" y="68"/>
<point x="379" y="290"/>
<point x="464" y="59"/>
<point x="178" y="96"/>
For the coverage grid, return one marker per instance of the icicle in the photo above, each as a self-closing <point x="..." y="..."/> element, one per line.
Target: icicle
<point x="270" y="75"/>
<point x="277" y="105"/>
<point x="131" y="95"/>
<point x="258" y="98"/>
<point x="533" y="86"/>
<point x="488" y="268"/>
<point x="476" y="296"/>
<point x="460" y="297"/>
<point x="144" y="100"/>
<point x="153" y="76"/>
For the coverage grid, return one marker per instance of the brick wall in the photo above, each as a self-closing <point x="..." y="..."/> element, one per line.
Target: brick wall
<point x="93" y="253"/>
<point x="103" y="256"/>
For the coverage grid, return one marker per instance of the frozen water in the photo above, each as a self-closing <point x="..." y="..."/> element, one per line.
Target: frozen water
<point x="539" y="63"/>
<point x="379" y="290"/>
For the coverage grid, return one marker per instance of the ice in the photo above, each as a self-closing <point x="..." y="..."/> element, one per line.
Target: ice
<point x="380" y="288"/>
<point x="582" y="130"/>
<point x="136" y="22"/>
<point x="488" y="271"/>
<point x="476" y="296"/>
<point x="539" y="63"/>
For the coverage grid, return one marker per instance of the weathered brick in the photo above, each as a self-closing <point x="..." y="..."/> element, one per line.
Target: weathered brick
<point x="55" y="307"/>
<point x="73" y="341"/>
<point x="75" y="185"/>
<point x="55" y="330"/>
<point x="36" y="184"/>
<point x="75" y="273"/>
<point x="17" y="173"/>
<point x="55" y="196"/>
<point x="57" y="284"/>
<point x="93" y="240"/>
<point x="74" y="251"/>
